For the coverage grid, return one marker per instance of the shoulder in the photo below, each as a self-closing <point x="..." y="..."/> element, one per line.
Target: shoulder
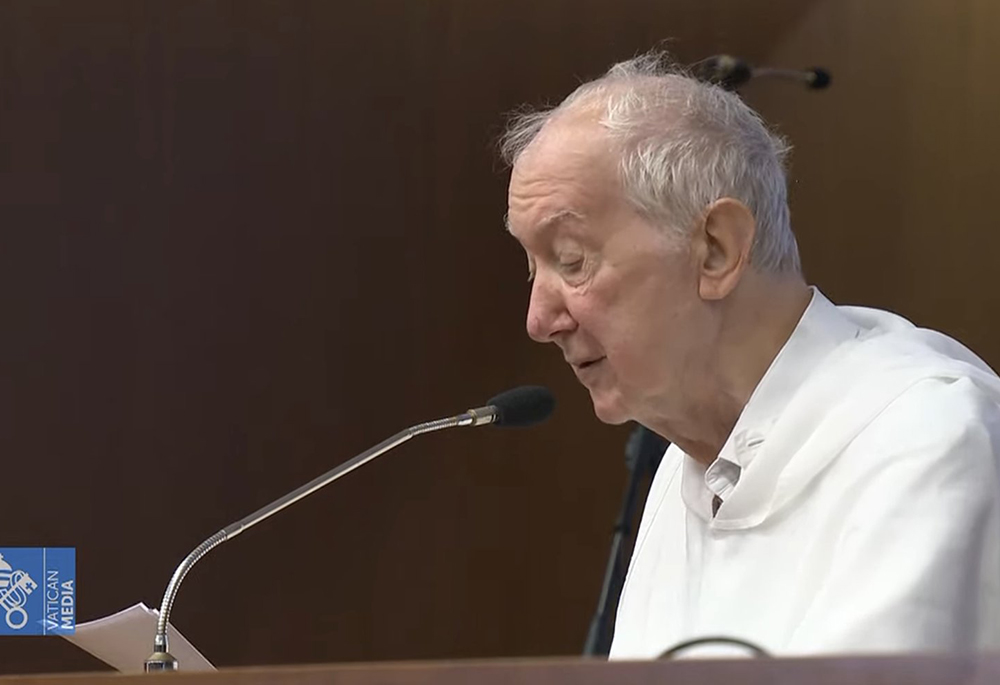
<point x="939" y="434"/>
<point x="935" y="411"/>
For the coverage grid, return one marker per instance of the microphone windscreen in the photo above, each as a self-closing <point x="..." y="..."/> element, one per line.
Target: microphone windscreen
<point x="523" y="406"/>
<point x="818" y="79"/>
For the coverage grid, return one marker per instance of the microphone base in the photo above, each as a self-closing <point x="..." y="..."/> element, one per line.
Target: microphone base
<point x="159" y="662"/>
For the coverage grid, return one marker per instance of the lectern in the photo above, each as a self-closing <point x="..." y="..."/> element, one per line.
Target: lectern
<point x="896" y="670"/>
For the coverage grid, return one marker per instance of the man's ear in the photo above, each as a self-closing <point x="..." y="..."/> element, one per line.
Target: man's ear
<point x="726" y="235"/>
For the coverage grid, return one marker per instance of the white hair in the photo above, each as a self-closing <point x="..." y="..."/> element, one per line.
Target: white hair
<point x="683" y="144"/>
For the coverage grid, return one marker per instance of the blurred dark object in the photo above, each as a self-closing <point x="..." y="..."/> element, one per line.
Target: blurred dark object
<point x="643" y="453"/>
<point x="732" y="72"/>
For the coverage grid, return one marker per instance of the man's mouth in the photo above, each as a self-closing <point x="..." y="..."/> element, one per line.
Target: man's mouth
<point x="587" y="364"/>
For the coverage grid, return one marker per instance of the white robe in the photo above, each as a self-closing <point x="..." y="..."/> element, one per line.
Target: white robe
<point x="865" y="515"/>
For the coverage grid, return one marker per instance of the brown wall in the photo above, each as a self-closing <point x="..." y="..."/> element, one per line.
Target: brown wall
<point x="241" y="241"/>
<point x="896" y="167"/>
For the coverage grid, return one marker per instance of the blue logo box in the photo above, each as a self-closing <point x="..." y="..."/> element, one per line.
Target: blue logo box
<point x="37" y="590"/>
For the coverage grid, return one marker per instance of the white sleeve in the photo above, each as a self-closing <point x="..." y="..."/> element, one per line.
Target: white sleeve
<point x="917" y="562"/>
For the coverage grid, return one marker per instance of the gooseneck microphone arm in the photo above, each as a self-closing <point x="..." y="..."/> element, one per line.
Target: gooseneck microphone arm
<point x="520" y="406"/>
<point x="156" y="662"/>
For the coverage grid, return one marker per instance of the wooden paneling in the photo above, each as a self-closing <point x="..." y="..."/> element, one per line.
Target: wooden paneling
<point x="895" y="167"/>
<point x="241" y="241"/>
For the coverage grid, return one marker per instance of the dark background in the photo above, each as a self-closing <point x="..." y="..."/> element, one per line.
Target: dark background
<point x="242" y="241"/>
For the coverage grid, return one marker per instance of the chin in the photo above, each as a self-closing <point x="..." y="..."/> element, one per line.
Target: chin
<point x="609" y="410"/>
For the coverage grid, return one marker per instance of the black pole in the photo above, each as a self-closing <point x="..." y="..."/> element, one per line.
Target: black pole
<point x="643" y="452"/>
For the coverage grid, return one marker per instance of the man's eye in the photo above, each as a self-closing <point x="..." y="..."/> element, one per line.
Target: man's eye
<point x="571" y="266"/>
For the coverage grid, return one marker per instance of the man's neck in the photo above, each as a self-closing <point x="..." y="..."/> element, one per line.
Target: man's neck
<point x="756" y="324"/>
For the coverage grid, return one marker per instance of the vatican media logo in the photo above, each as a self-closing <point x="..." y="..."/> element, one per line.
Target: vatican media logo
<point x="37" y="590"/>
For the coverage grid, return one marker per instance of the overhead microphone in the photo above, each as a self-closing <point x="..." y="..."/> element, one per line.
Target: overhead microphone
<point x="731" y="72"/>
<point x="523" y="406"/>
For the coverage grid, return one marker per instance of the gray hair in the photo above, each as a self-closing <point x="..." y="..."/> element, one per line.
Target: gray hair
<point x="683" y="144"/>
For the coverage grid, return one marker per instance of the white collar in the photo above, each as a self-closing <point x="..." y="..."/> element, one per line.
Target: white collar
<point x="819" y="331"/>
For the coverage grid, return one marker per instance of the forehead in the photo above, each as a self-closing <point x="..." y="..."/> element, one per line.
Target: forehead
<point x="568" y="169"/>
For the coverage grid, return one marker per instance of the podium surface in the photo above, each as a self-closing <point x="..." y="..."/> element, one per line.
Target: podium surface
<point x="889" y="670"/>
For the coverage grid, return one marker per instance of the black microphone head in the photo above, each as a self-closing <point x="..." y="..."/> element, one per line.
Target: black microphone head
<point x="818" y="79"/>
<point x="523" y="406"/>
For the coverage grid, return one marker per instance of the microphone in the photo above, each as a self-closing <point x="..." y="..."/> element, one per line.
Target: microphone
<point x="523" y="406"/>
<point x="732" y="72"/>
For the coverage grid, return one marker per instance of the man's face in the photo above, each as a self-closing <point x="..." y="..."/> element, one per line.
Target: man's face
<point x="618" y="295"/>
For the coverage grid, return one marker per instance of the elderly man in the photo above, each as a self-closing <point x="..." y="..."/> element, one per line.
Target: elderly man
<point x="832" y="484"/>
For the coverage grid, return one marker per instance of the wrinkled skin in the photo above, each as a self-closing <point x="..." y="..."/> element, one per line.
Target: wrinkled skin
<point x="644" y="317"/>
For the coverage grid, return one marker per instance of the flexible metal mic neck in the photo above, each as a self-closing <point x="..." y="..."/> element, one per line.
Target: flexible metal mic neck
<point x="161" y="659"/>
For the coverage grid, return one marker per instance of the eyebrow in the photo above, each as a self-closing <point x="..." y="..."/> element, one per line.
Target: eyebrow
<point x="551" y="220"/>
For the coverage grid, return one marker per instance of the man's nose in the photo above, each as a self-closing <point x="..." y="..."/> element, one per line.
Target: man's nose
<point x="547" y="312"/>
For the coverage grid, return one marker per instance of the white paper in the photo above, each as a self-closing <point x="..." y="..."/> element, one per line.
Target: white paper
<point x="124" y="641"/>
